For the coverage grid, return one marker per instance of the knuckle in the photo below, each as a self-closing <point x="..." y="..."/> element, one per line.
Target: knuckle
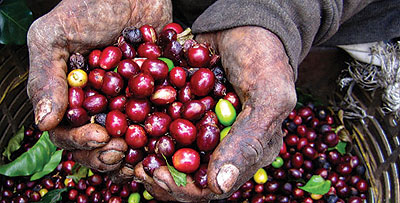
<point x="252" y="150"/>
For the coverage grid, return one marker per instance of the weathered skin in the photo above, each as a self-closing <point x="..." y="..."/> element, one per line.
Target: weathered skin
<point x="78" y="26"/>
<point x="255" y="63"/>
<point x="86" y="137"/>
<point x="257" y="66"/>
<point x="106" y="158"/>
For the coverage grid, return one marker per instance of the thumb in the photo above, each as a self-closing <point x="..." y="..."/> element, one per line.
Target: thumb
<point x="47" y="84"/>
<point x="250" y="145"/>
<point x="77" y="26"/>
<point x="257" y="67"/>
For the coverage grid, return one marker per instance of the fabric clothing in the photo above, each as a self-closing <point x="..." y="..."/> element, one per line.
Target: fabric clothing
<point x="299" y="24"/>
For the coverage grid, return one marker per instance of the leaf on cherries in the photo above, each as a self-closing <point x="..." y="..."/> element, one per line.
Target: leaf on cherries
<point x="317" y="185"/>
<point x="36" y="158"/>
<point x="53" y="196"/>
<point x="55" y="159"/>
<point x="14" y="144"/>
<point x="179" y="177"/>
<point x="340" y="147"/>
<point x="78" y="172"/>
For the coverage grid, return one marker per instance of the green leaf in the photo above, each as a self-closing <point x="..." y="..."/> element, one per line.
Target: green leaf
<point x="50" y="166"/>
<point x="31" y="161"/>
<point x="317" y="185"/>
<point x="53" y="196"/>
<point x="169" y="63"/>
<point x="14" y="144"/>
<point x="79" y="172"/>
<point x="340" y="147"/>
<point x="15" y="19"/>
<point x="179" y="177"/>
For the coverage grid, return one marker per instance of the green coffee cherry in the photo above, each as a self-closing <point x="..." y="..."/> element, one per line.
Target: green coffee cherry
<point x="147" y="195"/>
<point x="225" y="111"/>
<point x="224" y="132"/>
<point x="134" y="198"/>
<point x="278" y="162"/>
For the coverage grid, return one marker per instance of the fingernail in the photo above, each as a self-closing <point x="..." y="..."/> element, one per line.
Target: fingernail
<point x="43" y="108"/>
<point x="111" y="157"/>
<point x="227" y="177"/>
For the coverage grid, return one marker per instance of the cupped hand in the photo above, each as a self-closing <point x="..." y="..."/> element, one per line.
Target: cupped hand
<point x="78" y="27"/>
<point x="257" y="66"/>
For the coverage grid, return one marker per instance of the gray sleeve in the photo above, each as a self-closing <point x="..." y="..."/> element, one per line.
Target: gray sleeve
<point x="298" y="23"/>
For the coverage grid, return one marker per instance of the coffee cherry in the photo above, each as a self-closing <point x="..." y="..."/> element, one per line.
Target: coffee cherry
<point x="177" y="77"/>
<point x="141" y="85"/>
<point x="95" y="104"/>
<point x="174" y="110"/>
<point x="110" y="57"/>
<point x="202" y="82"/>
<point x="157" y="123"/>
<point x="156" y="68"/>
<point x="163" y="95"/>
<point x="112" y="83"/>
<point x="116" y="123"/>
<point x="134" y="156"/>
<point x="94" y="58"/>
<point x="137" y="109"/>
<point x="173" y="26"/>
<point x="135" y="136"/>
<point x="149" y="50"/>
<point x="200" y="177"/>
<point x="186" y="160"/>
<point x="77" y="78"/>
<point x="127" y="68"/>
<point x="118" y="103"/>
<point x="207" y="137"/>
<point x="148" y="32"/>
<point x="183" y="131"/>
<point x="193" y="110"/>
<point x="165" y="146"/>
<point x="151" y="162"/>
<point x="198" y="56"/>
<point x="260" y="177"/>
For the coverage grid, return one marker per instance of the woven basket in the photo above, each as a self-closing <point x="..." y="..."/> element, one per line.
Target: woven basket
<point x="15" y="107"/>
<point x="375" y="138"/>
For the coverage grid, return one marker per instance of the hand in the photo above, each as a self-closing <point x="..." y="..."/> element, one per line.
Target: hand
<point x="78" y="27"/>
<point x="256" y="64"/>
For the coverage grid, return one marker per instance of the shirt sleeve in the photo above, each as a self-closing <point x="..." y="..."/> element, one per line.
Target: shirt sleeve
<point x="298" y="23"/>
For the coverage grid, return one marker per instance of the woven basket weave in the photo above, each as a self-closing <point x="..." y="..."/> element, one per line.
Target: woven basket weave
<point x="15" y="107"/>
<point x="376" y="138"/>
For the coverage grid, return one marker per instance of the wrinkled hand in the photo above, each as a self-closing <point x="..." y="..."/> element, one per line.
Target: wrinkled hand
<point x="256" y="64"/>
<point x="78" y="27"/>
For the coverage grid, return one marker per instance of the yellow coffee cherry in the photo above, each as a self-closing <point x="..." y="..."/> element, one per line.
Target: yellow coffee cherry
<point x="260" y="177"/>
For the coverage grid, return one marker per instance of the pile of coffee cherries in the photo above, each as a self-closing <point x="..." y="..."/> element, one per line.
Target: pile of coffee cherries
<point x="92" y="187"/>
<point x="164" y="96"/>
<point x="168" y="97"/>
<point x="308" y="149"/>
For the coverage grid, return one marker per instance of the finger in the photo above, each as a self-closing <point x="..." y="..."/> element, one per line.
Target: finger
<point x="188" y="193"/>
<point x="106" y="158"/>
<point x="124" y="174"/>
<point x="77" y="27"/>
<point x="257" y="67"/>
<point x="86" y="137"/>
<point x="160" y="192"/>
<point x="237" y="159"/>
<point x="47" y="84"/>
